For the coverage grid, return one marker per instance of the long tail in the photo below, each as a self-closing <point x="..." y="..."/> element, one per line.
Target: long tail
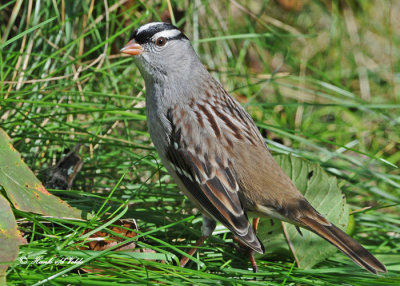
<point x="344" y="243"/>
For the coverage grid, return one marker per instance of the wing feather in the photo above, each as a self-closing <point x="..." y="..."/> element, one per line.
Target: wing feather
<point x="212" y="182"/>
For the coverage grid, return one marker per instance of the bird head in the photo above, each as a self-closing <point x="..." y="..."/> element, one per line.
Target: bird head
<point x="160" y="49"/>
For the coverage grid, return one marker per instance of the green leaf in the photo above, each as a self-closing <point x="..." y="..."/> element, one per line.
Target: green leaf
<point x="24" y="190"/>
<point x="10" y="237"/>
<point x="322" y="191"/>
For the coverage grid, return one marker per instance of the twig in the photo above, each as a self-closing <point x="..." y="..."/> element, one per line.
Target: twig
<point x="100" y="18"/>
<point x="360" y="210"/>
<point x="358" y="56"/>
<point x="392" y="79"/>
<point x="285" y="233"/>
<point x="21" y="50"/>
<point x="171" y="12"/>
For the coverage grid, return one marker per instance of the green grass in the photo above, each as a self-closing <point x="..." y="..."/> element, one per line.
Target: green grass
<point x="322" y="83"/>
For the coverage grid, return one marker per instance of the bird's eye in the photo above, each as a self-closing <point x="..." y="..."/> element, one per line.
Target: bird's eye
<point x="161" y="41"/>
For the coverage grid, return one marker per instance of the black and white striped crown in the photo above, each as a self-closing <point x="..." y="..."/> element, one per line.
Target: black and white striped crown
<point x="152" y="31"/>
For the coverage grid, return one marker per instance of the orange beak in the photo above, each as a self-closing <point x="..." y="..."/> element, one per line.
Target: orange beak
<point x="132" y="48"/>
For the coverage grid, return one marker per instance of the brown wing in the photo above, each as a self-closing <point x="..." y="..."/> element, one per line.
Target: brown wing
<point x="211" y="181"/>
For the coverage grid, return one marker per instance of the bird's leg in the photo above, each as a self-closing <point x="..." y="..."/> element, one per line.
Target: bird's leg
<point x="207" y="229"/>
<point x="249" y="251"/>
<point x="184" y="260"/>
<point x="255" y="224"/>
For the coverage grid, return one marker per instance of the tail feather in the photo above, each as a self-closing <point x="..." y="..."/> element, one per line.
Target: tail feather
<point x="344" y="243"/>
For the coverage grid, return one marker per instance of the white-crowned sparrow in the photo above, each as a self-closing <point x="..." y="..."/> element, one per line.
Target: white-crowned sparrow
<point x="213" y="149"/>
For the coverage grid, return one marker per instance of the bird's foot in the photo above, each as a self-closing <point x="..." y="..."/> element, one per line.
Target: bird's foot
<point x="248" y="251"/>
